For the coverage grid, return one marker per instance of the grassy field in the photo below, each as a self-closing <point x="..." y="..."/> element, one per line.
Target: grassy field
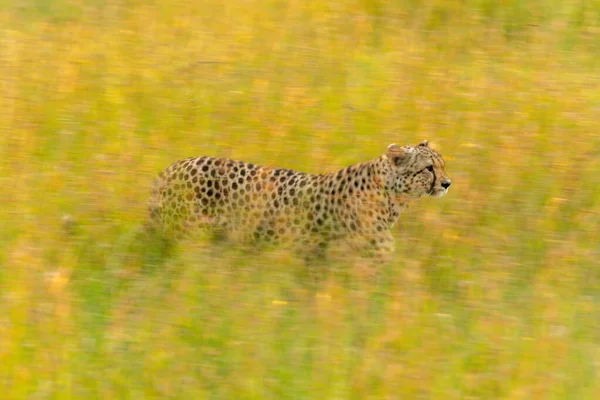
<point x="494" y="291"/>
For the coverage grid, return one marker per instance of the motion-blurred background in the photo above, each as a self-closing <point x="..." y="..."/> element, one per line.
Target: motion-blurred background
<point x="494" y="291"/>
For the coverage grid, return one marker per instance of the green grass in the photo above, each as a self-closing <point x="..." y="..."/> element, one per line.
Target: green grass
<point x="494" y="290"/>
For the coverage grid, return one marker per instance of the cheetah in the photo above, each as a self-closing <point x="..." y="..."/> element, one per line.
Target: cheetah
<point x="358" y="204"/>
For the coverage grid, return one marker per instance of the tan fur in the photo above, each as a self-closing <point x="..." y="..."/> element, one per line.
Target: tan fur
<point x="358" y="204"/>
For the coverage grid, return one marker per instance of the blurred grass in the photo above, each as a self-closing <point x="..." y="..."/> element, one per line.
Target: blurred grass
<point x="494" y="291"/>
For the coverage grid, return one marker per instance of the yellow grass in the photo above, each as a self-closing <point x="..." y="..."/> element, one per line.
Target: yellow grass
<point x="494" y="291"/>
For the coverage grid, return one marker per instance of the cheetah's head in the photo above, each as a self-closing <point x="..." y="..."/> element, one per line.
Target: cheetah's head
<point x="416" y="171"/>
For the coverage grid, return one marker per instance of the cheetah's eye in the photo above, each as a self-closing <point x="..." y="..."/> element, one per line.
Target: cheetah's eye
<point x="430" y="168"/>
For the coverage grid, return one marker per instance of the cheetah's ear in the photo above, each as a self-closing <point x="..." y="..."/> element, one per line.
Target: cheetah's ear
<point x="397" y="154"/>
<point x="424" y="143"/>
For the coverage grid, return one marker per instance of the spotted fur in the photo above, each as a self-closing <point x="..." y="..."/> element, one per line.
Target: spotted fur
<point x="358" y="204"/>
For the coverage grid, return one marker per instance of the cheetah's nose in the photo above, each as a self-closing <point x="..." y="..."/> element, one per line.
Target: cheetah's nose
<point x="446" y="184"/>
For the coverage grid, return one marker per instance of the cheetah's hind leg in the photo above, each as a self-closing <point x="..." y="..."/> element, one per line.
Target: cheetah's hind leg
<point x="143" y="248"/>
